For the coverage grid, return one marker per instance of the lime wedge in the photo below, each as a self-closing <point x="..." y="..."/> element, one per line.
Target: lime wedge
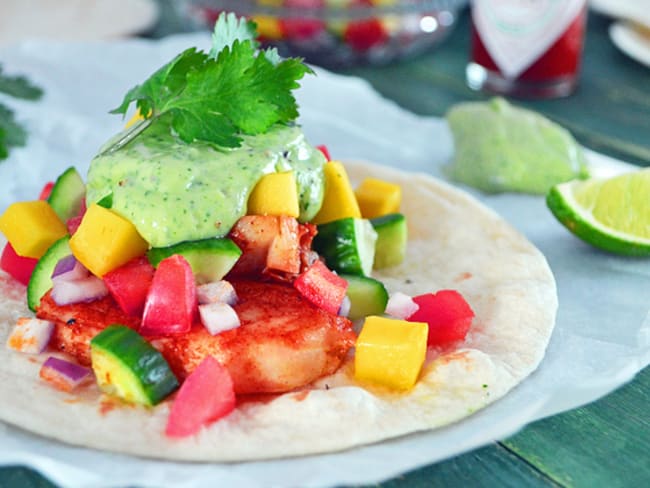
<point x="612" y="214"/>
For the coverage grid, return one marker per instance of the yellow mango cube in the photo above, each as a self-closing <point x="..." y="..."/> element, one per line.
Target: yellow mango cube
<point x="339" y="201"/>
<point x="31" y="227"/>
<point x="378" y="197"/>
<point x="390" y="352"/>
<point x="105" y="241"/>
<point x="275" y="194"/>
<point x="268" y="27"/>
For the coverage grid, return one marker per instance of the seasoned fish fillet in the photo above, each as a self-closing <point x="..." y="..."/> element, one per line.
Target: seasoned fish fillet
<point x="283" y="342"/>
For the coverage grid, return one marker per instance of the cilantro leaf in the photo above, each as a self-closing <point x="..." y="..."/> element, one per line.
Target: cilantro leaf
<point x="229" y="29"/>
<point x="166" y="83"/>
<point x="11" y="133"/>
<point x="220" y="96"/>
<point x="19" y="87"/>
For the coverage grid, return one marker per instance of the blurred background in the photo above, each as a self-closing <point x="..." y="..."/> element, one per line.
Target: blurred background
<point x="415" y="52"/>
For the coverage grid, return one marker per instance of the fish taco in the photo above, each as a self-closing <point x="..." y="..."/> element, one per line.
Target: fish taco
<point x="217" y="289"/>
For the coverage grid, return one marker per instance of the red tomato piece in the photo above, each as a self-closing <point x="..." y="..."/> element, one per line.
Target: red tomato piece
<point x="323" y="148"/>
<point x="321" y="287"/>
<point x="205" y="396"/>
<point x="365" y="34"/>
<point x="46" y="191"/>
<point x="19" y="267"/>
<point x="129" y="285"/>
<point x="73" y="223"/>
<point x="171" y="304"/>
<point x="448" y="314"/>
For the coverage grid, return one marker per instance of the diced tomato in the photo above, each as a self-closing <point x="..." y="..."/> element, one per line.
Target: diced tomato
<point x="323" y="148"/>
<point x="321" y="287"/>
<point x="46" y="191"/>
<point x="171" y="304"/>
<point x="129" y="285"/>
<point x="205" y="396"/>
<point x="364" y="34"/>
<point x="448" y="314"/>
<point x="73" y="223"/>
<point x="19" y="267"/>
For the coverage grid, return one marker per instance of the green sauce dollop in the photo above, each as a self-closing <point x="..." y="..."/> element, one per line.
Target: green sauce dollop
<point x="172" y="191"/>
<point x="500" y="148"/>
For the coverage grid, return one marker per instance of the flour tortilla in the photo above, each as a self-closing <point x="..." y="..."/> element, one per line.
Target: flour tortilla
<point x="454" y="242"/>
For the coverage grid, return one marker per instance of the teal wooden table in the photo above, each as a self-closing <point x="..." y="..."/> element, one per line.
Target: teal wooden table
<point x="606" y="443"/>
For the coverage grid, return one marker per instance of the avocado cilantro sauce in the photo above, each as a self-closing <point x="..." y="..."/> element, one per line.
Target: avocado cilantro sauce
<point x="172" y="191"/>
<point x="499" y="147"/>
<point x="215" y="123"/>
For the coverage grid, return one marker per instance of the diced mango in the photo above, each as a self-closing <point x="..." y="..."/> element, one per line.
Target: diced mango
<point x="31" y="227"/>
<point x="275" y="194"/>
<point x="268" y="27"/>
<point x="390" y="352"/>
<point x="339" y="201"/>
<point x="105" y="240"/>
<point x="378" y="197"/>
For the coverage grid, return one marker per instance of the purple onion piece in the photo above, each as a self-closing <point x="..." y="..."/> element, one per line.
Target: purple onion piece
<point x="76" y="291"/>
<point x="30" y="335"/>
<point x="64" y="374"/>
<point x="218" y="317"/>
<point x="401" y="306"/>
<point x="346" y="305"/>
<point x="68" y="268"/>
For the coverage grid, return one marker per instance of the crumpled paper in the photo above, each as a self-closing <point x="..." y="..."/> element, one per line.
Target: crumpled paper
<point x="602" y="336"/>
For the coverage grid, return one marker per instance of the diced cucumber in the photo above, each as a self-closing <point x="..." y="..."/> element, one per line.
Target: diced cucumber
<point x="348" y="245"/>
<point x="41" y="279"/>
<point x="392" y="235"/>
<point x="127" y="366"/>
<point x="67" y="194"/>
<point x="368" y="296"/>
<point x="210" y="259"/>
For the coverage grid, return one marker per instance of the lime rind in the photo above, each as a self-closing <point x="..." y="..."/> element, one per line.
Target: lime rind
<point x="581" y="222"/>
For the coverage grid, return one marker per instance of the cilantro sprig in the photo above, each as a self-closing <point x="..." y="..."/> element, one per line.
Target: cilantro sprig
<point x="13" y="134"/>
<point x="217" y="97"/>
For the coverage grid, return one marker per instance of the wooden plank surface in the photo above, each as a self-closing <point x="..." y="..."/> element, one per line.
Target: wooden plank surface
<point x="606" y="443"/>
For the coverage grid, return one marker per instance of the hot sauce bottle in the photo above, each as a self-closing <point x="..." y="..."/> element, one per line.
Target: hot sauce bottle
<point x="526" y="48"/>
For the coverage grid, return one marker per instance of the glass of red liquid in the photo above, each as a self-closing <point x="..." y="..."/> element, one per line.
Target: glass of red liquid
<point x="526" y="48"/>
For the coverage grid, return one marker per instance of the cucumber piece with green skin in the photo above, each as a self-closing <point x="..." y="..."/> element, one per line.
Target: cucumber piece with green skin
<point x="128" y="367"/>
<point x="67" y="194"/>
<point x="392" y="235"/>
<point x="210" y="259"/>
<point x="368" y="296"/>
<point x="41" y="280"/>
<point x="348" y="245"/>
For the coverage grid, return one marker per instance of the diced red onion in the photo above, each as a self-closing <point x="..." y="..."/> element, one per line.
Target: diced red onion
<point x="218" y="317"/>
<point x="401" y="306"/>
<point x="30" y="335"/>
<point x="76" y="291"/>
<point x="216" y="292"/>
<point x="346" y="304"/>
<point x="68" y="268"/>
<point x="63" y="374"/>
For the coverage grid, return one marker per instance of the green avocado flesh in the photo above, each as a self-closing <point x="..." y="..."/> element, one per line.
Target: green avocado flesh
<point x="173" y="192"/>
<point x="499" y="147"/>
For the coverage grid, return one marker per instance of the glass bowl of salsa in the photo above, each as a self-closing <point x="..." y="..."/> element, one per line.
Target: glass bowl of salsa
<point x="338" y="33"/>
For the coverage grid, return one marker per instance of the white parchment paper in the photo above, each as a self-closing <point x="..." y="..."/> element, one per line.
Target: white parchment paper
<point x="602" y="337"/>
